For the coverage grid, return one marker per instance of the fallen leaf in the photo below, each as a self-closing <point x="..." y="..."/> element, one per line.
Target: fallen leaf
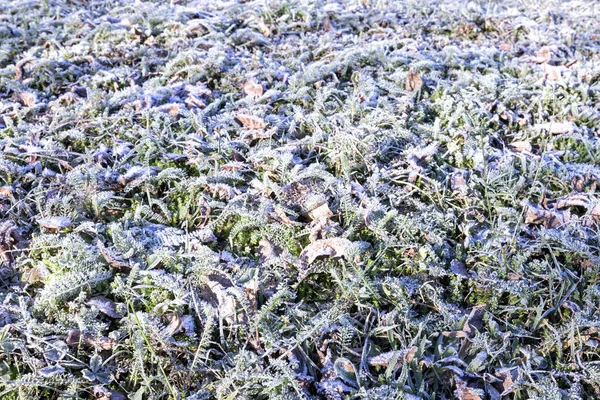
<point x="36" y="274"/>
<point x="76" y="339"/>
<point x="111" y="258"/>
<point x="593" y="216"/>
<point x="251" y="135"/>
<point x="193" y="101"/>
<point x="327" y="25"/>
<point x="321" y="212"/>
<point x="549" y="218"/>
<point x="6" y="191"/>
<point x="283" y="217"/>
<point x="384" y="359"/>
<point x="27" y="99"/>
<point x="507" y="380"/>
<point x="102" y="393"/>
<point x="174" y="326"/>
<point x="463" y="392"/>
<point x="556" y="128"/>
<point x="55" y="223"/>
<point x="551" y="72"/>
<point x="105" y="306"/>
<point x="413" y="81"/>
<point x="520" y="146"/>
<point x="336" y="247"/>
<point x="253" y="89"/>
<point x="249" y="121"/>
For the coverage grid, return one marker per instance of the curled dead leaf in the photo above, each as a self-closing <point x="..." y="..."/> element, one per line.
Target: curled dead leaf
<point x="55" y="223"/>
<point x="75" y="339"/>
<point x="105" y="306"/>
<point x="384" y="359"/>
<point x="249" y="121"/>
<point x="193" y="101"/>
<point x="464" y="392"/>
<point x="320" y="213"/>
<point x="520" y="146"/>
<point x="253" y="89"/>
<point x="413" y="81"/>
<point x="6" y="191"/>
<point x="556" y="128"/>
<point x="27" y="99"/>
<point x="336" y="247"/>
<point x="536" y="215"/>
<point x="551" y="72"/>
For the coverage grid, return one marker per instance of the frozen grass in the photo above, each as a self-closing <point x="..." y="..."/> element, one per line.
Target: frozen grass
<point x="299" y="199"/>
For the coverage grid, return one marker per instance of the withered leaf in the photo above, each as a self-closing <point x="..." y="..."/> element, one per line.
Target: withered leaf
<point x="6" y="191"/>
<point x="253" y="89"/>
<point x="464" y="392"/>
<point x="556" y="128"/>
<point x="105" y="306"/>
<point x="75" y="339"/>
<point x="55" y="223"/>
<point x="549" y="218"/>
<point x="551" y="72"/>
<point x="193" y="101"/>
<point x="520" y="146"/>
<point x="110" y="258"/>
<point x="249" y="121"/>
<point x="321" y="212"/>
<point x="27" y="99"/>
<point x="384" y="359"/>
<point x="336" y="247"/>
<point x="413" y="81"/>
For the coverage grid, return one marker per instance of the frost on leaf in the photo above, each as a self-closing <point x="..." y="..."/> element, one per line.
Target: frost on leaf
<point x="336" y="248"/>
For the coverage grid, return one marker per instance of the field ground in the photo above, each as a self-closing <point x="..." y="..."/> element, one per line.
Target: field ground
<point x="299" y="199"/>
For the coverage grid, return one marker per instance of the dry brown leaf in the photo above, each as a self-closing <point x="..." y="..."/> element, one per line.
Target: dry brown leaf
<point x="551" y="72"/>
<point x="336" y="247"/>
<point x="6" y="191"/>
<point x="573" y="200"/>
<point x="593" y="217"/>
<point x="549" y="218"/>
<point x="76" y="339"/>
<point x="322" y="212"/>
<point x="251" y="135"/>
<point x="27" y="99"/>
<point x="456" y="334"/>
<point x="264" y="28"/>
<point x="101" y="393"/>
<point x="556" y="128"/>
<point x="413" y="81"/>
<point x="175" y="325"/>
<point x="384" y="359"/>
<point x="249" y="121"/>
<point x="520" y="146"/>
<point x="226" y="303"/>
<point x="327" y="26"/>
<point x="55" y="223"/>
<point x="105" y="306"/>
<point x="463" y="392"/>
<point x="544" y="54"/>
<point x="458" y="182"/>
<point x="194" y="102"/>
<point x="36" y="274"/>
<point x="283" y="217"/>
<point x="253" y="89"/>
<point x="110" y="258"/>
<point x="507" y="380"/>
